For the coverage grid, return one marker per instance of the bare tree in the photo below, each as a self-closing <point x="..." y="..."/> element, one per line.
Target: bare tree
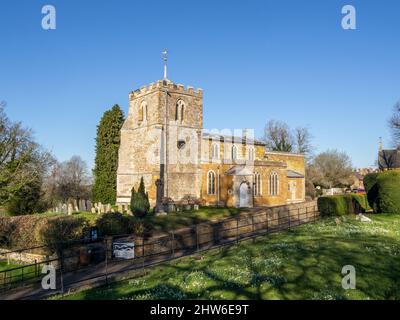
<point x="330" y="169"/>
<point x="278" y="136"/>
<point x="394" y="123"/>
<point x="73" y="181"/>
<point x="303" y="141"/>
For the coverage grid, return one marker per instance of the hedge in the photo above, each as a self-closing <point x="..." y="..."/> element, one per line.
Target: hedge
<point x="340" y="205"/>
<point x="115" y="223"/>
<point x="388" y="192"/>
<point x="33" y="231"/>
<point x="372" y="189"/>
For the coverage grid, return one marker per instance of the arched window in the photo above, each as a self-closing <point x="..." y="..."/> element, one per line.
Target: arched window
<point x="215" y="151"/>
<point x="142" y="111"/>
<point x="251" y="154"/>
<point x="273" y="184"/>
<point x="257" y="184"/>
<point x="234" y="152"/>
<point x="211" y="182"/>
<point x="180" y="110"/>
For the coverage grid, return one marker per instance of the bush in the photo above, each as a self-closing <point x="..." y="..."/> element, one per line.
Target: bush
<point x="388" y="192"/>
<point x="372" y="189"/>
<point x="25" y="201"/>
<point x="58" y="232"/>
<point x="340" y="205"/>
<point x="140" y="205"/>
<point x="114" y="223"/>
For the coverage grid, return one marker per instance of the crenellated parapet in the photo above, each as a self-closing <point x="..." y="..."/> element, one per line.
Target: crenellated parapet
<point x="168" y="85"/>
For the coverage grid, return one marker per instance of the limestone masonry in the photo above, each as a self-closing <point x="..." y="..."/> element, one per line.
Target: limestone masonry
<point x="163" y="141"/>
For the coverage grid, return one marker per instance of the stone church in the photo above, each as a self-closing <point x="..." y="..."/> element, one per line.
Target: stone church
<point x="163" y="141"/>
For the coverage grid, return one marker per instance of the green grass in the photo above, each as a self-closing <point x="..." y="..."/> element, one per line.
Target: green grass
<point x="304" y="263"/>
<point x="16" y="275"/>
<point x="91" y="217"/>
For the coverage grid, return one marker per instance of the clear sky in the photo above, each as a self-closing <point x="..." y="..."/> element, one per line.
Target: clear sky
<point x="255" y="60"/>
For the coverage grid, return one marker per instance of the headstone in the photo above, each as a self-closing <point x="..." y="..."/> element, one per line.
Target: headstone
<point x="89" y="205"/>
<point x="64" y="208"/>
<point x="70" y="209"/>
<point x="108" y="208"/>
<point x="196" y="207"/>
<point x="93" y="210"/>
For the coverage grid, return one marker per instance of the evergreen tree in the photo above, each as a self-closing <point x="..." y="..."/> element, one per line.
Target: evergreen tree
<point x="140" y="204"/>
<point x="106" y="162"/>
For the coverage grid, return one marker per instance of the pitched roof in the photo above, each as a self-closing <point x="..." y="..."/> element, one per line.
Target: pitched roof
<point x="239" y="171"/>
<point x="293" y="174"/>
<point x="221" y="137"/>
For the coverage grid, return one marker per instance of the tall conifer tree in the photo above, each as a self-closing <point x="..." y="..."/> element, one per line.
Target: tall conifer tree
<point x="106" y="163"/>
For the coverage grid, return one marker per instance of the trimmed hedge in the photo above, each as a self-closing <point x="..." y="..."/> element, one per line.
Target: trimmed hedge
<point x="340" y="205"/>
<point x="372" y="189"/>
<point x="388" y="192"/>
<point x="383" y="190"/>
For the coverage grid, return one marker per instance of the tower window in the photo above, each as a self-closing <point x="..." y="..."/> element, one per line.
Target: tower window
<point x="142" y="116"/>
<point x="180" y="111"/>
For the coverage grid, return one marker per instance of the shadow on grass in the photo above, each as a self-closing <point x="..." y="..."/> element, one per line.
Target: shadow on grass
<point x="290" y="265"/>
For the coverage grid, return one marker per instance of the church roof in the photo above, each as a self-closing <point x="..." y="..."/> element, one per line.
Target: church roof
<point x="236" y="139"/>
<point x="239" y="171"/>
<point x="293" y="174"/>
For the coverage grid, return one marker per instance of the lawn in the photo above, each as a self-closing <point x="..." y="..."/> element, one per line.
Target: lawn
<point x="304" y="263"/>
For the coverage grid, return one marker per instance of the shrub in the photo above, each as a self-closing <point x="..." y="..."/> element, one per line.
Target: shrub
<point x="58" y="232"/>
<point x="114" y="223"/>
<point x="372" y="189"/>
<point x="388" y="192"/>
<point x="6" y="230"/>
<point x="140" y="205"/>
<point x="340" y="205"/>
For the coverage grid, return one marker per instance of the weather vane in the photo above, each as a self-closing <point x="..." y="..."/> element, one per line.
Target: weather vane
<point x="164" y="56"/>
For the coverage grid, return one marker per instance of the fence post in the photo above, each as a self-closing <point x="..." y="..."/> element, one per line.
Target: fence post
<point x="172" y="244"/>
<point x="197" y="238"/>
<point x="237" y="230"/>
<point x="106" y="262"/>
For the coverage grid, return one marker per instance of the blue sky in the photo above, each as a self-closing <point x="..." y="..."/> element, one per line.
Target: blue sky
<point x="255" y="60"/>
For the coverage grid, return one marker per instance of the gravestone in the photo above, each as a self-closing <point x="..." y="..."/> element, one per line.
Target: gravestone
<point x="89" y="205"/>
<point x="70" y="209"/>
<point x="108" y="208"/>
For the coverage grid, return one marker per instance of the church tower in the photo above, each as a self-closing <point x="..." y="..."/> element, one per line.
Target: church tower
<point x="161" y="141"/>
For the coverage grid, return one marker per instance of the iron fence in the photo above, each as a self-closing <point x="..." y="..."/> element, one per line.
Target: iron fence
<point x="96" y="264"/>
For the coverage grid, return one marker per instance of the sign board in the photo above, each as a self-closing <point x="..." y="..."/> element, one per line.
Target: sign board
<point x="124" y="250"/>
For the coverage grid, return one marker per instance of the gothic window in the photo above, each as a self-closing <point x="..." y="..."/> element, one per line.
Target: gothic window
<point x="257" y="184"/>
<point x="214" y="151"/>
<point x="234" y="152"/>
<point x="180" y="110"/>
<point x="251" y="154"/>
<point x="273" y="184"/>
<point x="211" y="182"/>
<point x="142" y="112"/>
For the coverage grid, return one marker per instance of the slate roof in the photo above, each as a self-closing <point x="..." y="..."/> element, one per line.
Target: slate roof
<point x="293" y="174"/>
<point x="220" y="137"/>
